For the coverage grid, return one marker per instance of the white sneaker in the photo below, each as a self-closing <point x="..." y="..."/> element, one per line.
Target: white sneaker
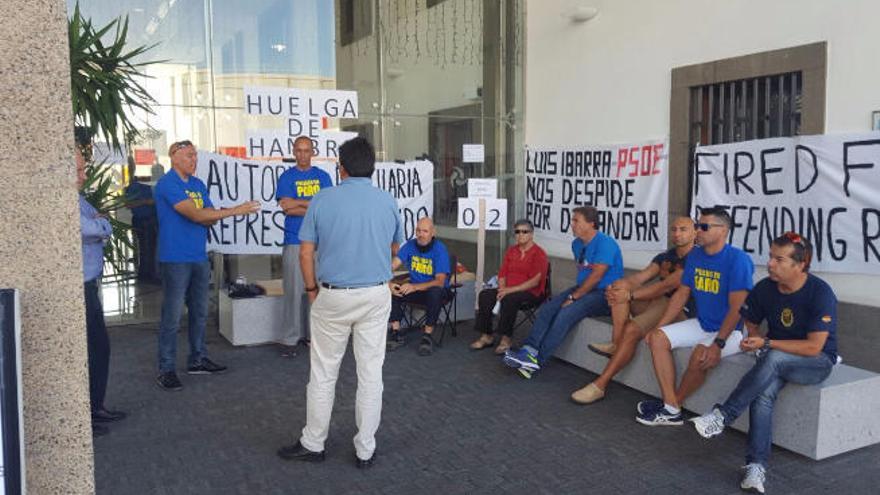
<point x="754" y="477"/>
<point x="709" y="425"/>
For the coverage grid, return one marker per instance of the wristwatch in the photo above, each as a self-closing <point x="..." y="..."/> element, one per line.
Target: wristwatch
<point x="766" y="345"/>
<point x="720" y="343"/>
<point x="571" y="298"/>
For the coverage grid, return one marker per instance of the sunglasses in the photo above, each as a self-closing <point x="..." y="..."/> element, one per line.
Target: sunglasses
<point x="706" y="226"/>
<point x="522" y="231"/>
<point x="179" y="145"/>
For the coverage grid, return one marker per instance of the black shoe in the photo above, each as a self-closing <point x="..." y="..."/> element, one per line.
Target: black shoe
<point x="99" y="430"/>
<point x="426" y="346"/>
<point x="395" y="341"/>
<point x="169" y="381"/>
<point x="102" y="415"/>
<point x="365" y="464"/>
<point x="297" y="452"/>
<point x="205" y="367"/>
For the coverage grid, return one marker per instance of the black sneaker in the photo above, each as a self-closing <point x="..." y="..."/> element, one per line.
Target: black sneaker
<point x="205" y="367"/>
<point x="395" y="341"/>
<point x="426" y="346"/>
<point x="169" y="381"/>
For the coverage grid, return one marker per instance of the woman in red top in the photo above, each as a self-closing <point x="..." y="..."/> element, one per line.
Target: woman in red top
<point x="521" y="281"/>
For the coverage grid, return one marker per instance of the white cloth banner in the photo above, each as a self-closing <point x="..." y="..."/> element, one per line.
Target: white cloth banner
<point x="824" y="187"/>
<point x="231" y="181"/>
<point x="627" y="183"/>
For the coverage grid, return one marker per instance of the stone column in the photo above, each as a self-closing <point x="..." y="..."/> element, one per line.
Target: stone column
<point x="40" y="251"/>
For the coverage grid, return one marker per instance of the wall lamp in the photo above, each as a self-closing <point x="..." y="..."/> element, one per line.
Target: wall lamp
<point x="583" y="14"/>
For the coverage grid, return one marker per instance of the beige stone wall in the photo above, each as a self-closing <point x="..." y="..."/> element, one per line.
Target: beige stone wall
<point x="39" y="243"/>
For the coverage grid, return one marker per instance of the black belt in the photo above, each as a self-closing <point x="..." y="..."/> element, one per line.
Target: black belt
<point x="339" y="287"/>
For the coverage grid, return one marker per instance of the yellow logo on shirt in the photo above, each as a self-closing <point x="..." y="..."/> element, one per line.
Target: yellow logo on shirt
<point x="787" y="317"/>
<point x="307" y="188"/>
<point x="826" y="318"/>
<point x="707" y="280"/>
<point x="196" y="196"/>
<point x="425" y="266"/>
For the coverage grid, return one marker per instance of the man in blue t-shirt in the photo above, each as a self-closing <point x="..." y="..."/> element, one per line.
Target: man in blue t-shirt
<point x="800" y="347"/>
<point x="599" y="264"/>
<point x="185" y="211"/>
<point x="718" y="276"/>
<point x="139" y="198"/>
<point x="427" y="261"/>
<point x="296" y="187"/>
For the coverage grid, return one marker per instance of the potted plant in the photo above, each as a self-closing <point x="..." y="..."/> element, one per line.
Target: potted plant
<point x="105" y="89"/>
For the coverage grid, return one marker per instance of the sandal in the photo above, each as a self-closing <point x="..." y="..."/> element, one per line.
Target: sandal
<point x="426" y="346"/>
<point x="503" y="346"/>
<point x="481" y="343"/>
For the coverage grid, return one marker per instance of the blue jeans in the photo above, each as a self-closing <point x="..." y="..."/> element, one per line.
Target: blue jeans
<point x="758" y="389"/>
<point x="554" y="322"/>
<point x="183" y="282"/>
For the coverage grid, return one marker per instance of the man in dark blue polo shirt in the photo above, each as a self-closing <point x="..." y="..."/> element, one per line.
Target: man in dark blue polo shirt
<point x="427" y="261"/>
<point x="800" y="347"/>
<point x="185" y="212"/>
<point x="355" y="229"/>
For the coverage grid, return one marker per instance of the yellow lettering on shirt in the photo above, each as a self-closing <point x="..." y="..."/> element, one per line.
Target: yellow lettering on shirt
<point x="307" y="188"/>
<point x="424" y="266"/>
<point x="707" y="280"/>
<point x="196" y="196"/>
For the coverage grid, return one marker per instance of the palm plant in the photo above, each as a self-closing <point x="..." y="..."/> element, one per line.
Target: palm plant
<point x="105" y="89"/>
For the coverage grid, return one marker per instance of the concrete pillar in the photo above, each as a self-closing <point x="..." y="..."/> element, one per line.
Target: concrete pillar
<point x="40" y="250"/>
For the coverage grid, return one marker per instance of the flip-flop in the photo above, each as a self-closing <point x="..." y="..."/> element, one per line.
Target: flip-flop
<point x="482" y="345"/>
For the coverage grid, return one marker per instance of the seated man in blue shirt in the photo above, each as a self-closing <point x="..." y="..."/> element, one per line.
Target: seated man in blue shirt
<point x="800" y="347"/>
<point x="427" y="260"/>
<point x="599" y="264"/>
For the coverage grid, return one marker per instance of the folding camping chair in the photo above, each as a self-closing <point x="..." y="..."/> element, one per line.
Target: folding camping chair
<point x="448" y="311"/>
<point x="529" y="310"/>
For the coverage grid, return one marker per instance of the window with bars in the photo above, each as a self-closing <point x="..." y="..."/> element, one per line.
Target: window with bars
<point x="755" y="108"/>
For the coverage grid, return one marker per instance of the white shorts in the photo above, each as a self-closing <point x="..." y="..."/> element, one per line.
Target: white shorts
<point x="689" y="333"/>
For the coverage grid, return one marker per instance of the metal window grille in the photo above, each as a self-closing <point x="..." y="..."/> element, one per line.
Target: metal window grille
<point x="733" y="111"/>
<point x="756" y="108"/>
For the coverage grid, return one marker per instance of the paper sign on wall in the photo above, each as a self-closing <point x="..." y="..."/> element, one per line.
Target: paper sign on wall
<point x="473" y="153"/>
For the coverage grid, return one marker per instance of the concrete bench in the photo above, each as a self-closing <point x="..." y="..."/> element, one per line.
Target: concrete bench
<point x="817" y="421"/>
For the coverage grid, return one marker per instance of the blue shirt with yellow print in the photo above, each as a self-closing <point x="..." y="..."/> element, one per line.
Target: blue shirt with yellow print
<point x="180" y="239"/>
<point x="298" y="184"/>
<point x="423" y="266"/>
<point x="712" y="278"/>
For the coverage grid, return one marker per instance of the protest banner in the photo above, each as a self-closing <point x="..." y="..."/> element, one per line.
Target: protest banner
<point x="274" y="143"/>
<point x="823" y="187"/>
<point x="232" y="180"/>
<point x="627" y="183"/>
<point x="306" y="112"/>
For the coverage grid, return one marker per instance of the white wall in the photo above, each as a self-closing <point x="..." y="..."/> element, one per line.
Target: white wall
<point x="608" y="80"/>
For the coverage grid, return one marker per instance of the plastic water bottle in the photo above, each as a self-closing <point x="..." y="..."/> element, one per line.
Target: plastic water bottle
<point x="241" y="280"/>
<point x="497" y="308"/>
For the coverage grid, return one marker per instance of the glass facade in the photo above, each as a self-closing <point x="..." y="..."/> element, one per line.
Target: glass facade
<point x="430" y="77"/>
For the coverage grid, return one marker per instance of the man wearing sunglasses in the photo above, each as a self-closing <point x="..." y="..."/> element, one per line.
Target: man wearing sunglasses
<point x="185" y="212"/>
<point x="637" y="303"/>
<point x="599" y="263"/>
<point x="800" y="347"/>
<point x="719" y="277"/>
